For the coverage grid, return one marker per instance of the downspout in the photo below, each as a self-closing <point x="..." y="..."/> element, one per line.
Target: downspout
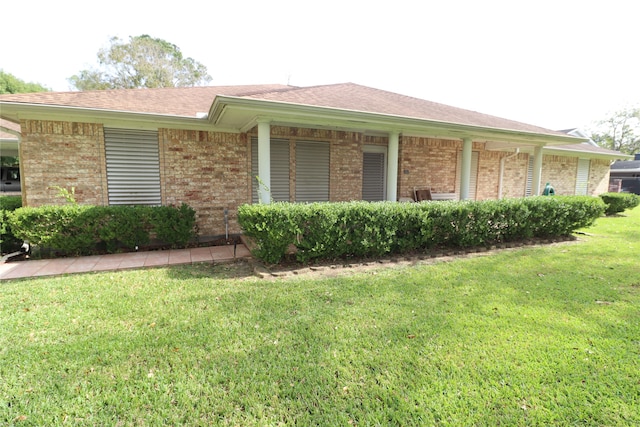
<point x="502" y="162"/>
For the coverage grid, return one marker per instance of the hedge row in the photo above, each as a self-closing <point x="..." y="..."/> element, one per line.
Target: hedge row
<point x="8" y="242"/>
<point x="82" y="230"/>
<point x="361" y="229"/>
<point x="619" y="202"/>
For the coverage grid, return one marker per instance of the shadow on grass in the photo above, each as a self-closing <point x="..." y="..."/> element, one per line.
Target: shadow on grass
<point x="240" y="269"/>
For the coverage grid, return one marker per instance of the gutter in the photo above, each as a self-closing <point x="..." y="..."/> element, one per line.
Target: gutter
<point x="11" y="131"/>
<point x="21" y="110"/>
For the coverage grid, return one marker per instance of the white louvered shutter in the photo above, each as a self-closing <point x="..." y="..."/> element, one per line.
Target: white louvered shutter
<point x="582" y="178"/>
<point x="133" y="166"/>
<point x="312" y="171"/>
<point x="529" y="185"/>
<point x="373" y="177"/>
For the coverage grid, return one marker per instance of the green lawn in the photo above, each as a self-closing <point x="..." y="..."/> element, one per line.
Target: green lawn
<point x="534" y="336"/>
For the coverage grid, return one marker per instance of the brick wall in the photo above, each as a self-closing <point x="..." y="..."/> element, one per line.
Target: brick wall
<point x="561" y="172"/>
<point x="488" y="173"/>
<point x="345" y="161"/>
<point x="427" y="162"/>
<point x="64" y="154"/>
<point x="598" y="177"/>
<point x="514" y="180"/>
<point x="206" y="170"/>
<point x="210" y="170"/>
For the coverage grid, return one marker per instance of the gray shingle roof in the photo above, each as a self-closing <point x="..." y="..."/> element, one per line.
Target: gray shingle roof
<point x="189" y="101"/>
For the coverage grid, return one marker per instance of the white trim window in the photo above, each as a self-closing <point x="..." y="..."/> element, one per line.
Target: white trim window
<point x="133" y="166"/>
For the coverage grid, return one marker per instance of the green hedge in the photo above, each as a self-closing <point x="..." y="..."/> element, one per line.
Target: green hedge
<point x="82" y="230"/>
<point x="619" y="202"/>
<point x="361" y="229"/>
<point x="8" y="241"/>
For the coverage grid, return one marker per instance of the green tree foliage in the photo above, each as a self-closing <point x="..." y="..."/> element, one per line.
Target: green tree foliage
<point x="11" y="84"/>
<point x="620" y="132"/>
<point x="143" y="62"/>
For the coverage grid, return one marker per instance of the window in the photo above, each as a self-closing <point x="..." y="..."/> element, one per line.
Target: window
<point x="373" y="173"/>
<point x="312" y="171"/>
<point x="133" y="166"/>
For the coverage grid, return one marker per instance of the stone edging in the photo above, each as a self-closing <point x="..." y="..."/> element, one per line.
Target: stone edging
<point x="264" y="272"/>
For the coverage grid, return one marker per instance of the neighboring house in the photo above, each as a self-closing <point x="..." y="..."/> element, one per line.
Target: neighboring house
<point x="585" y="152"/>
<point x="205" y="145"/>
<point x="625" y="176"/>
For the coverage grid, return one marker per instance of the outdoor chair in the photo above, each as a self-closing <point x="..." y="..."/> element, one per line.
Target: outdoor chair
<point x="422" y="195"/>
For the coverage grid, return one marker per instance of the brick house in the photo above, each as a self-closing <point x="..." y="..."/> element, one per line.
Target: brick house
<point x="205" y="145"/>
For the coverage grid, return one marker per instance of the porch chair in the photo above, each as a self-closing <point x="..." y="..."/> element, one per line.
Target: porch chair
<point x="422" y="195"/>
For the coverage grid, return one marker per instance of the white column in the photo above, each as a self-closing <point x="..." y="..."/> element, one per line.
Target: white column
<point x="537" y="171"/>
<point x="264" y="161"/>
<point x="465" y="168"/>
<point x="392" y="167"/>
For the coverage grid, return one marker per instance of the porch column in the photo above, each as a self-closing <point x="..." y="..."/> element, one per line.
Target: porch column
<point x="392" y="167"/>
<point x="465" y="168"/>
<point x="537" y="171"/>
<point x="264" y="161"/>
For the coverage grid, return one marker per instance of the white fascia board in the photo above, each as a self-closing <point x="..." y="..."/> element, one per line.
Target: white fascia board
<point x="584" y="154"/>
<point x="302" y="114"/>
<point x="10" y="131"/>
<point x="16" y="111"/>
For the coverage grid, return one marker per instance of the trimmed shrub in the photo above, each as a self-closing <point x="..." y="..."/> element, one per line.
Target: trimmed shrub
<point x="272" y="228"/>
<point x="10" y="203"/>
<point x="619" y="202"/>
<point x="82" y="230"/>
<point x="362" y="229"/>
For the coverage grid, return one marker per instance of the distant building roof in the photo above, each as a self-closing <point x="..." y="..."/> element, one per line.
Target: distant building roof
<point x="627" y="166"/>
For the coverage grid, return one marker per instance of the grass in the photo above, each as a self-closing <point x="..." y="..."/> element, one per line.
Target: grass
<point x="534" y="336"/>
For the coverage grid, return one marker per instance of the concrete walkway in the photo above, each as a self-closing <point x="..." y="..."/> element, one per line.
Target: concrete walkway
<point x="58" y="266"/>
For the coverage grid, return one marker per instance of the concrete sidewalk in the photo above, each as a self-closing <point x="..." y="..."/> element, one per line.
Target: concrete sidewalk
<point x="58" y="266"/>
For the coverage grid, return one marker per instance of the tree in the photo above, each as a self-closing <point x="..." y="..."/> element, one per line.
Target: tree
<point x="11" y="84"/>
<point x="620" y="132"/>
<point x="143" y="62"/>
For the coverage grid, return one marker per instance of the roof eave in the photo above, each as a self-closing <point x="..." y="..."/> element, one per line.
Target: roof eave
<point x="587" y="154"/>
<point x="283" y="112"/>
<point x="15" y="111"/>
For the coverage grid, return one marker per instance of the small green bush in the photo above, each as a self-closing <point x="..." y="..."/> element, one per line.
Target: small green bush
<point x="619" y="202"/>
<point x="362" y="229"/>
<point x="8" y="241"/>
<point x="10" y="203"/>
<point x="81" y="229"/>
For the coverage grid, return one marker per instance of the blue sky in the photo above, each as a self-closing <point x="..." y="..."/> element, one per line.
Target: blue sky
<point x="557" y="64"/>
